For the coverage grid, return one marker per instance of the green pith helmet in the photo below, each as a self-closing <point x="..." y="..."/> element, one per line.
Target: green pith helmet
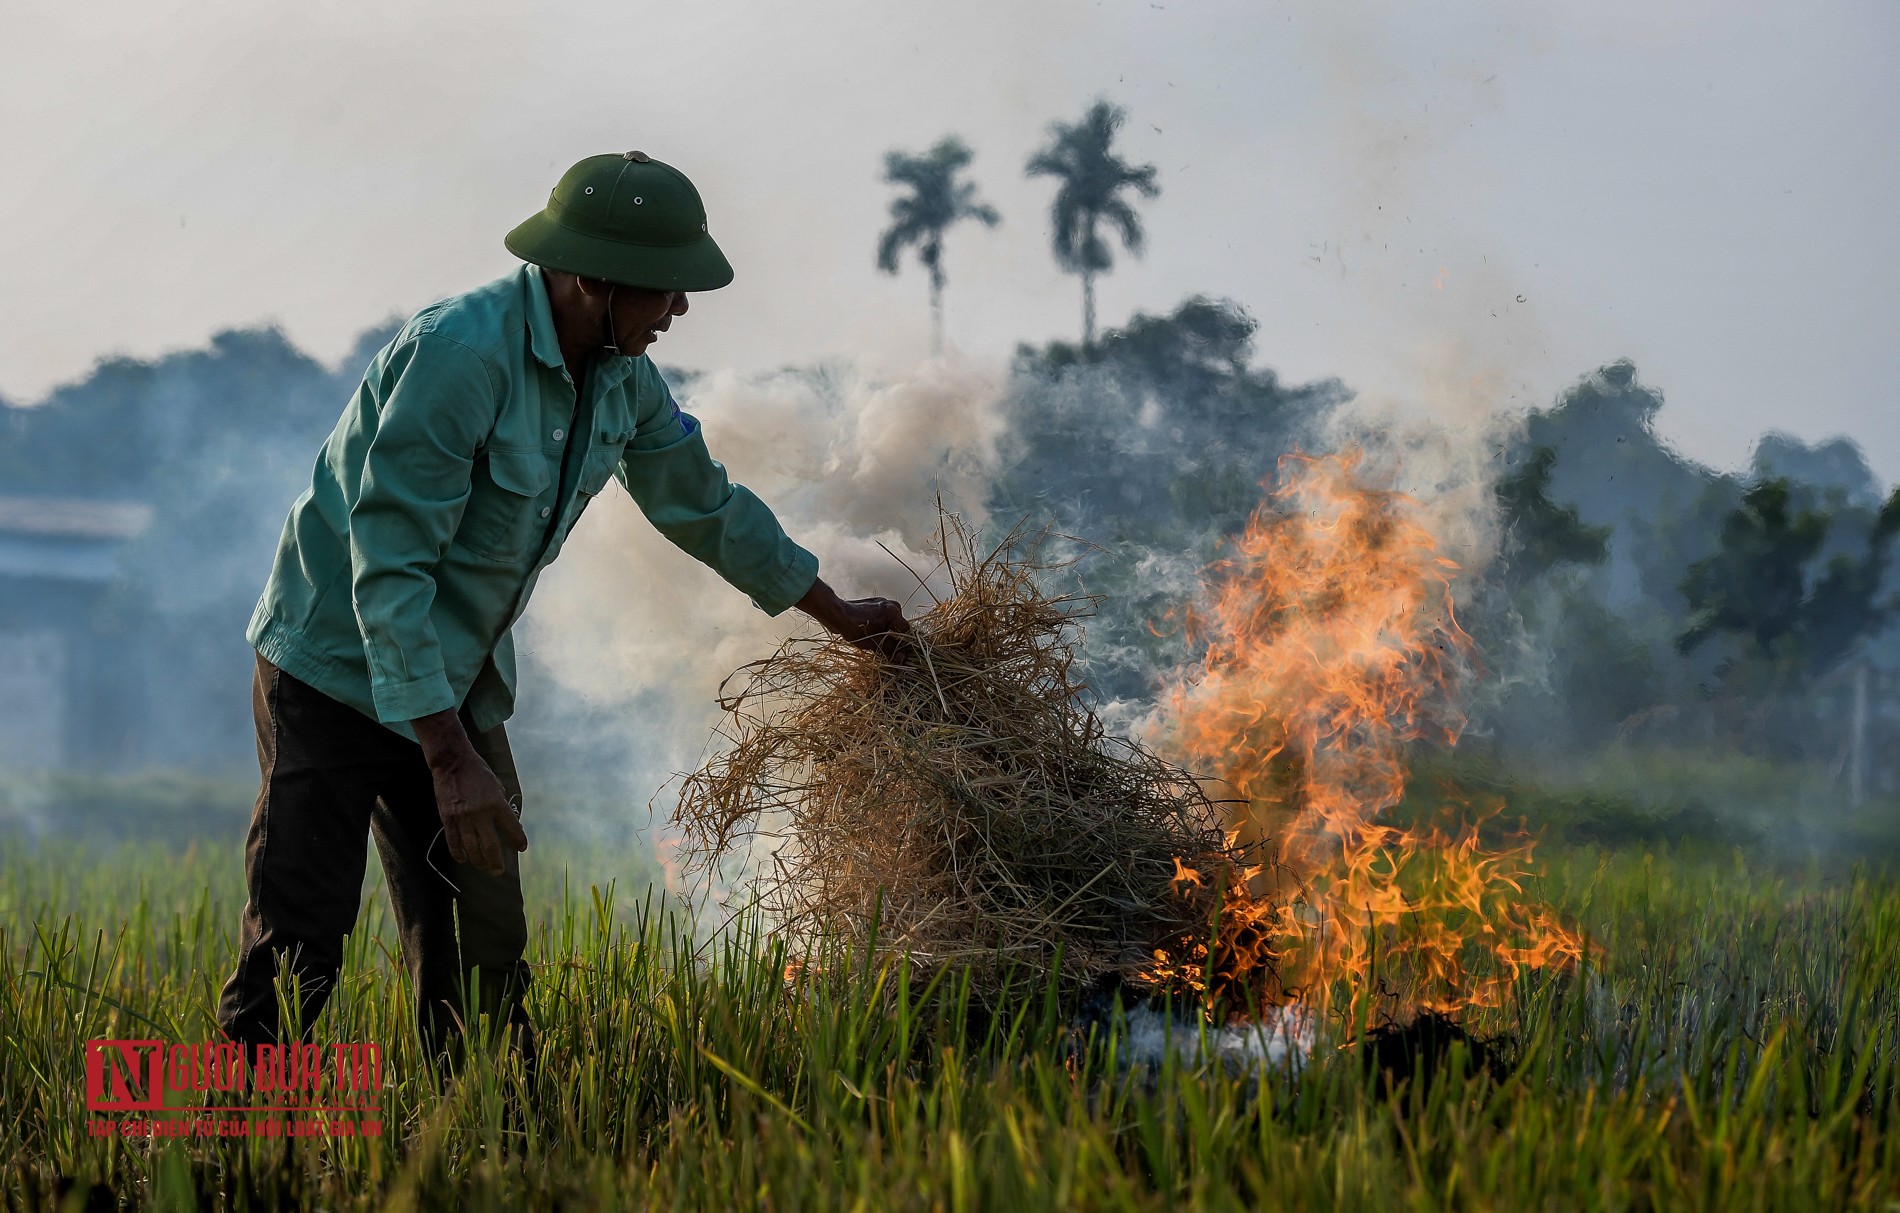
<point x="626" y="218"/>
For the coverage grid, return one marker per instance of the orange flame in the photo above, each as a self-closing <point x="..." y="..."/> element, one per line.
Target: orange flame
<point x="1332" y="646"/>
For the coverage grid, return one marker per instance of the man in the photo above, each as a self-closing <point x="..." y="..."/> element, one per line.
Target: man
<point x="385" y="666"/>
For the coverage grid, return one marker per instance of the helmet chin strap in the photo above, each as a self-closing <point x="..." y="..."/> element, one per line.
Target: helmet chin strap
<point x="612" y="344"/>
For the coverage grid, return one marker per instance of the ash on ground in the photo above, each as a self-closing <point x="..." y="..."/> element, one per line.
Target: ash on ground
<point x="1278" y="1038"/>
<point x="1281" y="1039"/>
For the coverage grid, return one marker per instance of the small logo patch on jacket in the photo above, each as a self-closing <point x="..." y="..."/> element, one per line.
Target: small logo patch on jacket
<point x="687" y="424"/>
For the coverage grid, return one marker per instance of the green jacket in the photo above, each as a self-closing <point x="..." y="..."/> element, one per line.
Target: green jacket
<point x="449" y="484"/>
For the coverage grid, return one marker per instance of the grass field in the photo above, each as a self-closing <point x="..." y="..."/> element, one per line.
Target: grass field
<point x="1735" y="1046"/>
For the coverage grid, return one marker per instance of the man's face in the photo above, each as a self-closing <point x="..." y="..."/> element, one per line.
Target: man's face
<point x="641" y="315"/>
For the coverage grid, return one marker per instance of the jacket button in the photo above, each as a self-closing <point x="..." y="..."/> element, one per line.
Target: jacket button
<point x="546" y="510"/>
<point x="559" y="434"/>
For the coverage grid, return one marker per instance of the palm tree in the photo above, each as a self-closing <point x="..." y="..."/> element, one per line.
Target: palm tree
<point x="1093" y="180"/>
<point x="936" y="199"/>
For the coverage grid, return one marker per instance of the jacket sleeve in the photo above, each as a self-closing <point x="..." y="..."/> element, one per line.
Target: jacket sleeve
<point x="404" y="509"/>
<point x="686" y="495"/>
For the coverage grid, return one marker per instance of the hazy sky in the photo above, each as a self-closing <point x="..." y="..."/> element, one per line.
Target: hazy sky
<point x="1491" y="194"/>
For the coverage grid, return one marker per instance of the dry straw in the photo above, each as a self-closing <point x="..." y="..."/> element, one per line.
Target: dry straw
<point x="957" y="795"/>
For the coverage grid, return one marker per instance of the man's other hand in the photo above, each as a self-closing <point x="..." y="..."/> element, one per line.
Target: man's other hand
<point x="869" y="623"/>
<point x="477" y="820"/>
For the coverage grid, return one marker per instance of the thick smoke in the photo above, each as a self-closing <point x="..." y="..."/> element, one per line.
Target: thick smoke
<point x="1442" y="446"/>
<point x="628" y="638"/>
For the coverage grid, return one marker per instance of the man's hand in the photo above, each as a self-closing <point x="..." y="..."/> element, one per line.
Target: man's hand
<point x="476" y="818"/>
<point x="869" y="623"/>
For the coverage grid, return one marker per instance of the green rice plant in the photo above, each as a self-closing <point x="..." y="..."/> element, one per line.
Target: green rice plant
<point x="1733" y="1044"/>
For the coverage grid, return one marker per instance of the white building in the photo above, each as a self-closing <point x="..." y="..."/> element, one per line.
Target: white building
<point x="70" y="689"/>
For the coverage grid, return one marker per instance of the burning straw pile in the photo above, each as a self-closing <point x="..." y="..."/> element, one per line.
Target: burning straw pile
<point x="957" y="796"/>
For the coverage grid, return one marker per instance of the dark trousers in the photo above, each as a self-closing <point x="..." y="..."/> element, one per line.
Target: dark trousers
<point x="332" y="777"/>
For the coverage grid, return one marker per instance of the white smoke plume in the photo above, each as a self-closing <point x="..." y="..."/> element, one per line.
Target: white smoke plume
<point x="1442" y="445"/>
<point x="852" y="458"/>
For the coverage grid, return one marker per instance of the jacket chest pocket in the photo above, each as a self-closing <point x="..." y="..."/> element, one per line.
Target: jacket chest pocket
<point x="503" y="518"/>
<point x="602" y="461"/>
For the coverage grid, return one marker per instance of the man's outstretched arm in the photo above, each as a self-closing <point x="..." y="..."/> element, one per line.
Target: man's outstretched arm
<point x="685" y="493"/>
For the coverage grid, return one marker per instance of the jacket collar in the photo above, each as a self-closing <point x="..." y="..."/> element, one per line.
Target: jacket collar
<point x="541" y="335"/>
